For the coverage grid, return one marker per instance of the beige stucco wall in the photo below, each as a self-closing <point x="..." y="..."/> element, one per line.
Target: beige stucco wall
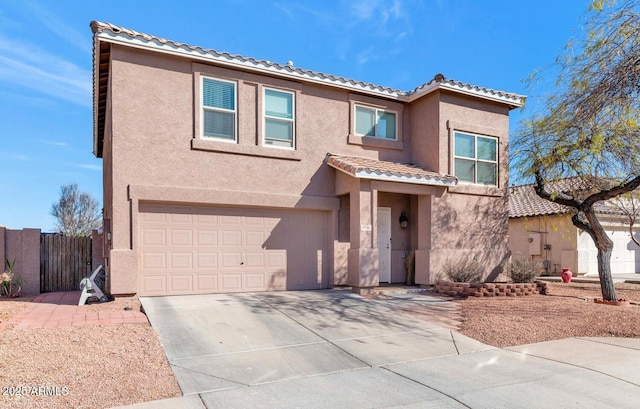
<point x="469" y="221"/>
<point x="153" y="152"/>
<point x="556" y="231"/>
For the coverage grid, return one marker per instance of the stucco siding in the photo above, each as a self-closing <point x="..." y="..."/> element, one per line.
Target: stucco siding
<point x="556" y="232"/>
<point x="153" y="153"/>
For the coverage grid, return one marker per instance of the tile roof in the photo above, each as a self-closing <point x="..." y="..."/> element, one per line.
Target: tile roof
<point x="390" y="171"/>
<point x="524" y="202"/>
<point x="117" y="34"/>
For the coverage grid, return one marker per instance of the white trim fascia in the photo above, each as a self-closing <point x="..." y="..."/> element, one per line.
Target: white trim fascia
<point x="200" y="54"/>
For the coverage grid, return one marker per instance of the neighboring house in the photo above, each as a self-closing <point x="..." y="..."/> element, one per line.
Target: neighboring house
<point x="543" y="230"/>
<point x="224" y="173"/>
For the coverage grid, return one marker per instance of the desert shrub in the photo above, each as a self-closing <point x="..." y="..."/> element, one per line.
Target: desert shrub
<point x="523" y="269"/>
<point x="10" y="283"/>
<point x="463" y="270"/>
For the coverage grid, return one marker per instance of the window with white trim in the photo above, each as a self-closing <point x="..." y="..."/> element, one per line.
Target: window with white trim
<point x="376" y="123"/>
<point x="219" y="111"/>
<point x="279" y="118"/>
<point x="476" y="158"/>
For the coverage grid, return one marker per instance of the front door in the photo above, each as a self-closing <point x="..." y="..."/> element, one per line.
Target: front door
<point x="384" y="243"/>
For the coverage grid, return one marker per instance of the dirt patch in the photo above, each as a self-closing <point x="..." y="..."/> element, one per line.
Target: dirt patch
<point x="567" y="311"/>
<point x="88" y="366"/>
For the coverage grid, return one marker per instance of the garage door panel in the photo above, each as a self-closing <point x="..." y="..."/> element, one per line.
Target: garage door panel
<point x="181" y="261"/>
<point x="206" y="238"/>
<point x="154" y="260"/>
<point x="276" y="240"/>
<point x="180" y="218"/>
<point x="154" y="237"/>
<point x="181" y="237"/>
<point x="154" y="284"/>
<point x="207" y="219"/>
<point x="180" y="283"/>
<point x="206" y="260"/>
<point x="230" y="238"/>
<point x="253" y="260"/>
<point x="316" y="221"/>
<point x="227" y="220"/>
<point x="207" y="282"/>
<point x="230" y="282"/>
<point x="253" y="220"/>
<point x="148" y="217"/>
<point x="276" y="259"/>
<point x="315" y="241"/>
<point x="254" y="238"/>
<point x="231" y="259"/>
<point x="254" y="281"/>
<point x="197" y="249"/>
<point x="296" y="240"/>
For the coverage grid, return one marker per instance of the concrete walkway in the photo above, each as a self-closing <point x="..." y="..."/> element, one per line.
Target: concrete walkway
<point x="60" y="309"/>
<point x="318" y="349"/>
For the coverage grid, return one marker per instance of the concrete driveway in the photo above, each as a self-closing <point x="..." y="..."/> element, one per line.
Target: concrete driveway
<point x="333" y="348"/>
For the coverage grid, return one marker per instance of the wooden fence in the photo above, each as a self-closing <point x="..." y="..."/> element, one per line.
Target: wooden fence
<point x="64" y="261"/>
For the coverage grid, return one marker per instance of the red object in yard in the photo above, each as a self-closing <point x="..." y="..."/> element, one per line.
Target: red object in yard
<point x="566" y="275"/>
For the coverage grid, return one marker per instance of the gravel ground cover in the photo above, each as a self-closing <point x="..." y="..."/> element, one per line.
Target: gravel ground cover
<point x="88" y="366"/>
<point x="568" y="310"/>
<point x="102" y="366"/>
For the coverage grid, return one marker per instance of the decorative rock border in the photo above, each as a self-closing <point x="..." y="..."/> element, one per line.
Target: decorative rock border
<point x="621" y="302"/>
<point x="490" y="289"/>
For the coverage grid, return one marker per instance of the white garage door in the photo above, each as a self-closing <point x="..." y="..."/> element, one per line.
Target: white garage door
<point x="195" y="250"/>
<point x="625" y="257"/>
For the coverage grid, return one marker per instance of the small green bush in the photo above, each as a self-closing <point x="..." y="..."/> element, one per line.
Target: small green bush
<point x="463" y="270"/>
<point x="523" y="269"/>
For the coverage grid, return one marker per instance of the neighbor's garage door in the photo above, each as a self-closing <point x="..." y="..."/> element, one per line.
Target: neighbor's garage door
<point x="194" y="250"/>
<point x="625" y="257"/>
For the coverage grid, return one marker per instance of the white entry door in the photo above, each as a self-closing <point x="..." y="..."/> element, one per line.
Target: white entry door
<point x="384" y="243"/>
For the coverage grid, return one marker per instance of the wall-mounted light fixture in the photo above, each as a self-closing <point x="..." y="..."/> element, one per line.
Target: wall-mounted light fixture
<point x="404" y="222"/>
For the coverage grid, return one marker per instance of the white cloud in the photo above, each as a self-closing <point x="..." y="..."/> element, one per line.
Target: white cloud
<point x="366" y="55"/>
<point x="88" y="166"/>
<point x="53" y="23"/>
<point x="54" y="143"/>
<point x="364" y="9"/>
<point x="27" y="65"/>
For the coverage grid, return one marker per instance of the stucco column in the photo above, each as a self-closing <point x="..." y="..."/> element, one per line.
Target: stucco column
<point x="30" y="261"/>
<point x="363" y="254"/>
<point x="423" y="240"/>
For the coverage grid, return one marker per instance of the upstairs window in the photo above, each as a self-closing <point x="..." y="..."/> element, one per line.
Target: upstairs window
<point x="476" y="159"/>
<point x="375" y="123"/>
<point x="219" y="109"/>
<point x="279" y="118"/>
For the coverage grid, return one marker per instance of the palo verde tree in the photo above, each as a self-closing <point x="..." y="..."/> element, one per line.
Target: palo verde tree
<point x="76" y="213"/>
<point x="588" y="126"/>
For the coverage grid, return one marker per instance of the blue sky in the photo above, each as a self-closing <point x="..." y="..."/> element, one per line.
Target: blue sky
<point x="46" y="119"/>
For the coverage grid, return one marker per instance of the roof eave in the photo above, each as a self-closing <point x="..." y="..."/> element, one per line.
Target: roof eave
<point x="201" y="54"/>
<point x="512" y="100"/>
<point x="363" y="174"/>
<point x="266" y="67"/>
<point x="96" y="90"/>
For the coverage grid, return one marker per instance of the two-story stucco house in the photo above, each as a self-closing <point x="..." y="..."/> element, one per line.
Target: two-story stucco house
<point x="224" y="173"/>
